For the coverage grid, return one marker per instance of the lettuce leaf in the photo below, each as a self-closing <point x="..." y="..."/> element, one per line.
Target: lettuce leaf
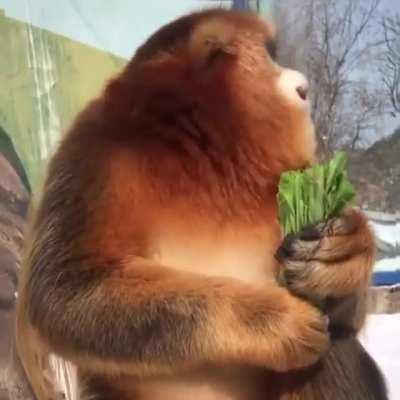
<point x="314" y="195"/>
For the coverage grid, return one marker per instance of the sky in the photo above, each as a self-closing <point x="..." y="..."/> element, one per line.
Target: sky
<point x="118" y="26"/>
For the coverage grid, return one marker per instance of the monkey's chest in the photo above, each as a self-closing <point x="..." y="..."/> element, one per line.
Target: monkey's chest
<point x="248" y="256"/>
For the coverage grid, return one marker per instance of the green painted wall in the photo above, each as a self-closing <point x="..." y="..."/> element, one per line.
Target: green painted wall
<point x="45" y="79"/>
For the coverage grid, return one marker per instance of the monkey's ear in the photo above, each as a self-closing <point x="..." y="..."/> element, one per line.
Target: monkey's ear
<point x="211" y="39"/>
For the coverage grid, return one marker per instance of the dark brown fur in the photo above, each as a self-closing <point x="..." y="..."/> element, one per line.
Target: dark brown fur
<point x="187" y="144"/>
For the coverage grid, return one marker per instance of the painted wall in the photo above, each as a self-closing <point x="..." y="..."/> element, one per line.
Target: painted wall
<point x="56" y="55"/>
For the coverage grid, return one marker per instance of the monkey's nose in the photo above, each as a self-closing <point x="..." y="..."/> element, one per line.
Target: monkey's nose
<point x="302" y="91"/>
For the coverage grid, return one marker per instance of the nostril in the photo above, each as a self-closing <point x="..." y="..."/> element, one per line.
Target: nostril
<point x="302" y="90"/>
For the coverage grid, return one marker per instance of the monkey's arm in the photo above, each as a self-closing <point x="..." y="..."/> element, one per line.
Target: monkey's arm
<point x="333" y="262"/>
<point x="147" y="319"/>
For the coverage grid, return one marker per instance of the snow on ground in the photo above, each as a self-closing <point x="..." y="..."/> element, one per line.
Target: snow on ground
<point x="381" y="338"/>
<point x="389" y="233"/>
<point x="388" y="264"/>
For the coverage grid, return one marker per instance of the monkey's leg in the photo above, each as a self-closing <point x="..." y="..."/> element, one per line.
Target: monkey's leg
<point x="333" y="263"/>
<point x="144" y="319"/>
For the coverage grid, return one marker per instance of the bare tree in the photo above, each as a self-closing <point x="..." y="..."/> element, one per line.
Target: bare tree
<point x="391" y="62"/>
<point x="362" y="116"/>
<point x="333" y="42"/>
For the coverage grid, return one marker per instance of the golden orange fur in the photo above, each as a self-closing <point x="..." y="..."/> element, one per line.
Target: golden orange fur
<point x="151" y="263"/>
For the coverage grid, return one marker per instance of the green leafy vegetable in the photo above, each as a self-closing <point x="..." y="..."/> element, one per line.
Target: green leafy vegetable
<point x="314" y="195"/>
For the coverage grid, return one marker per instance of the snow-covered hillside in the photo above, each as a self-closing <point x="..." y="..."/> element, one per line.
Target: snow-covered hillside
<point x="387" y="231"/>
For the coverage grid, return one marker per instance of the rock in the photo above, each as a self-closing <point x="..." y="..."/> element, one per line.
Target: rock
<point x="14" y="200"/>
<point x="13" y="209"/>
<point x="8" y="281"/>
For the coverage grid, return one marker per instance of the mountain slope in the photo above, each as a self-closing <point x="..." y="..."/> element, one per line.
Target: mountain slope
<point x="376" y="174"/>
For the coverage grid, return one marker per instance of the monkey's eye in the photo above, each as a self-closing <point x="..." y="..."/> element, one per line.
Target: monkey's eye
<point x="271" y="47"/>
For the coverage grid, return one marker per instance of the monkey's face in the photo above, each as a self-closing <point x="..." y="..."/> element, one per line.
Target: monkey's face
<point x="267" y="104"/>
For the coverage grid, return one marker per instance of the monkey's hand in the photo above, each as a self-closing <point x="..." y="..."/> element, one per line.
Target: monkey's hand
<point x="331" y="261"/>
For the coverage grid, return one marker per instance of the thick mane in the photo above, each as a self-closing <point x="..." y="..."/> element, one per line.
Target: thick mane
<point x="179" y="30"/>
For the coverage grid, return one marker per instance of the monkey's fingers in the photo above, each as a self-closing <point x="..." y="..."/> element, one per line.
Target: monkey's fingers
<point x="345" y="224"/>
<point x="315" y="278"/>
<point x="337" y="240"/>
